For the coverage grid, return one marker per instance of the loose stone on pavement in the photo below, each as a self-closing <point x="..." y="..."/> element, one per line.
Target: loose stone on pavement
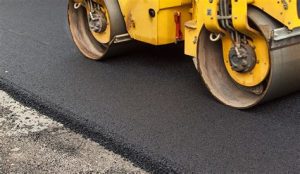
<point x="33" y="143"/>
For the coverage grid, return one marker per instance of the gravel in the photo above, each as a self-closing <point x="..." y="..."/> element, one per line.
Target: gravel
<point x="33" y="143"/>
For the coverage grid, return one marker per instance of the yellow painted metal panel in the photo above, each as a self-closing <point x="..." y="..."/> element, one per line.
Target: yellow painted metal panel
<point x="161" y="29"/>
<point x="284" y="11"/>
<point x="166" y="24"/>
<point x="158" y="30"/>
<point x="193" y="28"/>
<point x="191" y="38"/>
<point x="173" y="3"/>
<point x="210" y="12"/>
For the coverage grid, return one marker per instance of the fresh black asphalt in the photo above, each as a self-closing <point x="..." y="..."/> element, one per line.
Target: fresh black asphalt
<point x="149" y="105"/>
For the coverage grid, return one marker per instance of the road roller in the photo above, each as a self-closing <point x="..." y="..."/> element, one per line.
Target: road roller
<point x="246" y="51"/>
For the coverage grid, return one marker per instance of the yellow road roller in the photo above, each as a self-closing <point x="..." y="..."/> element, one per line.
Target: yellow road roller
<point x="247" y="51"/>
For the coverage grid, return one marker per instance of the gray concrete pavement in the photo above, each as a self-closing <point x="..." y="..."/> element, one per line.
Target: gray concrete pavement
<point x="33" y="143"/>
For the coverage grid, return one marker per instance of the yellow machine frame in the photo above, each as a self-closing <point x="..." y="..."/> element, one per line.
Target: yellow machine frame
<point x="159" y="29"/>
<point x="194" y="15"/>
<point x="243" y="49"/>
<point x="198" y="13"/>
<point x="284" y="11"/>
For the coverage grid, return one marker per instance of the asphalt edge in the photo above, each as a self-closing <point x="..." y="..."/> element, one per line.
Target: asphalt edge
<point x="66" y="117"/>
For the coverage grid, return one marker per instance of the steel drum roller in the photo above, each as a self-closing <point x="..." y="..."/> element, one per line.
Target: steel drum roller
<point x="284" y="76"/>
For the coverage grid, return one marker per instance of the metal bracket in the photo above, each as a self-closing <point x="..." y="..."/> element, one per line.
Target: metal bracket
<point x="285" y="33"/>
<point x="285" y="4"/>
<point x="122" y="38"/>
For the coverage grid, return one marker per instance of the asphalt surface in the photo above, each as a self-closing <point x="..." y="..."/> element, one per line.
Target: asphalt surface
<point x="149" y="106"/>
